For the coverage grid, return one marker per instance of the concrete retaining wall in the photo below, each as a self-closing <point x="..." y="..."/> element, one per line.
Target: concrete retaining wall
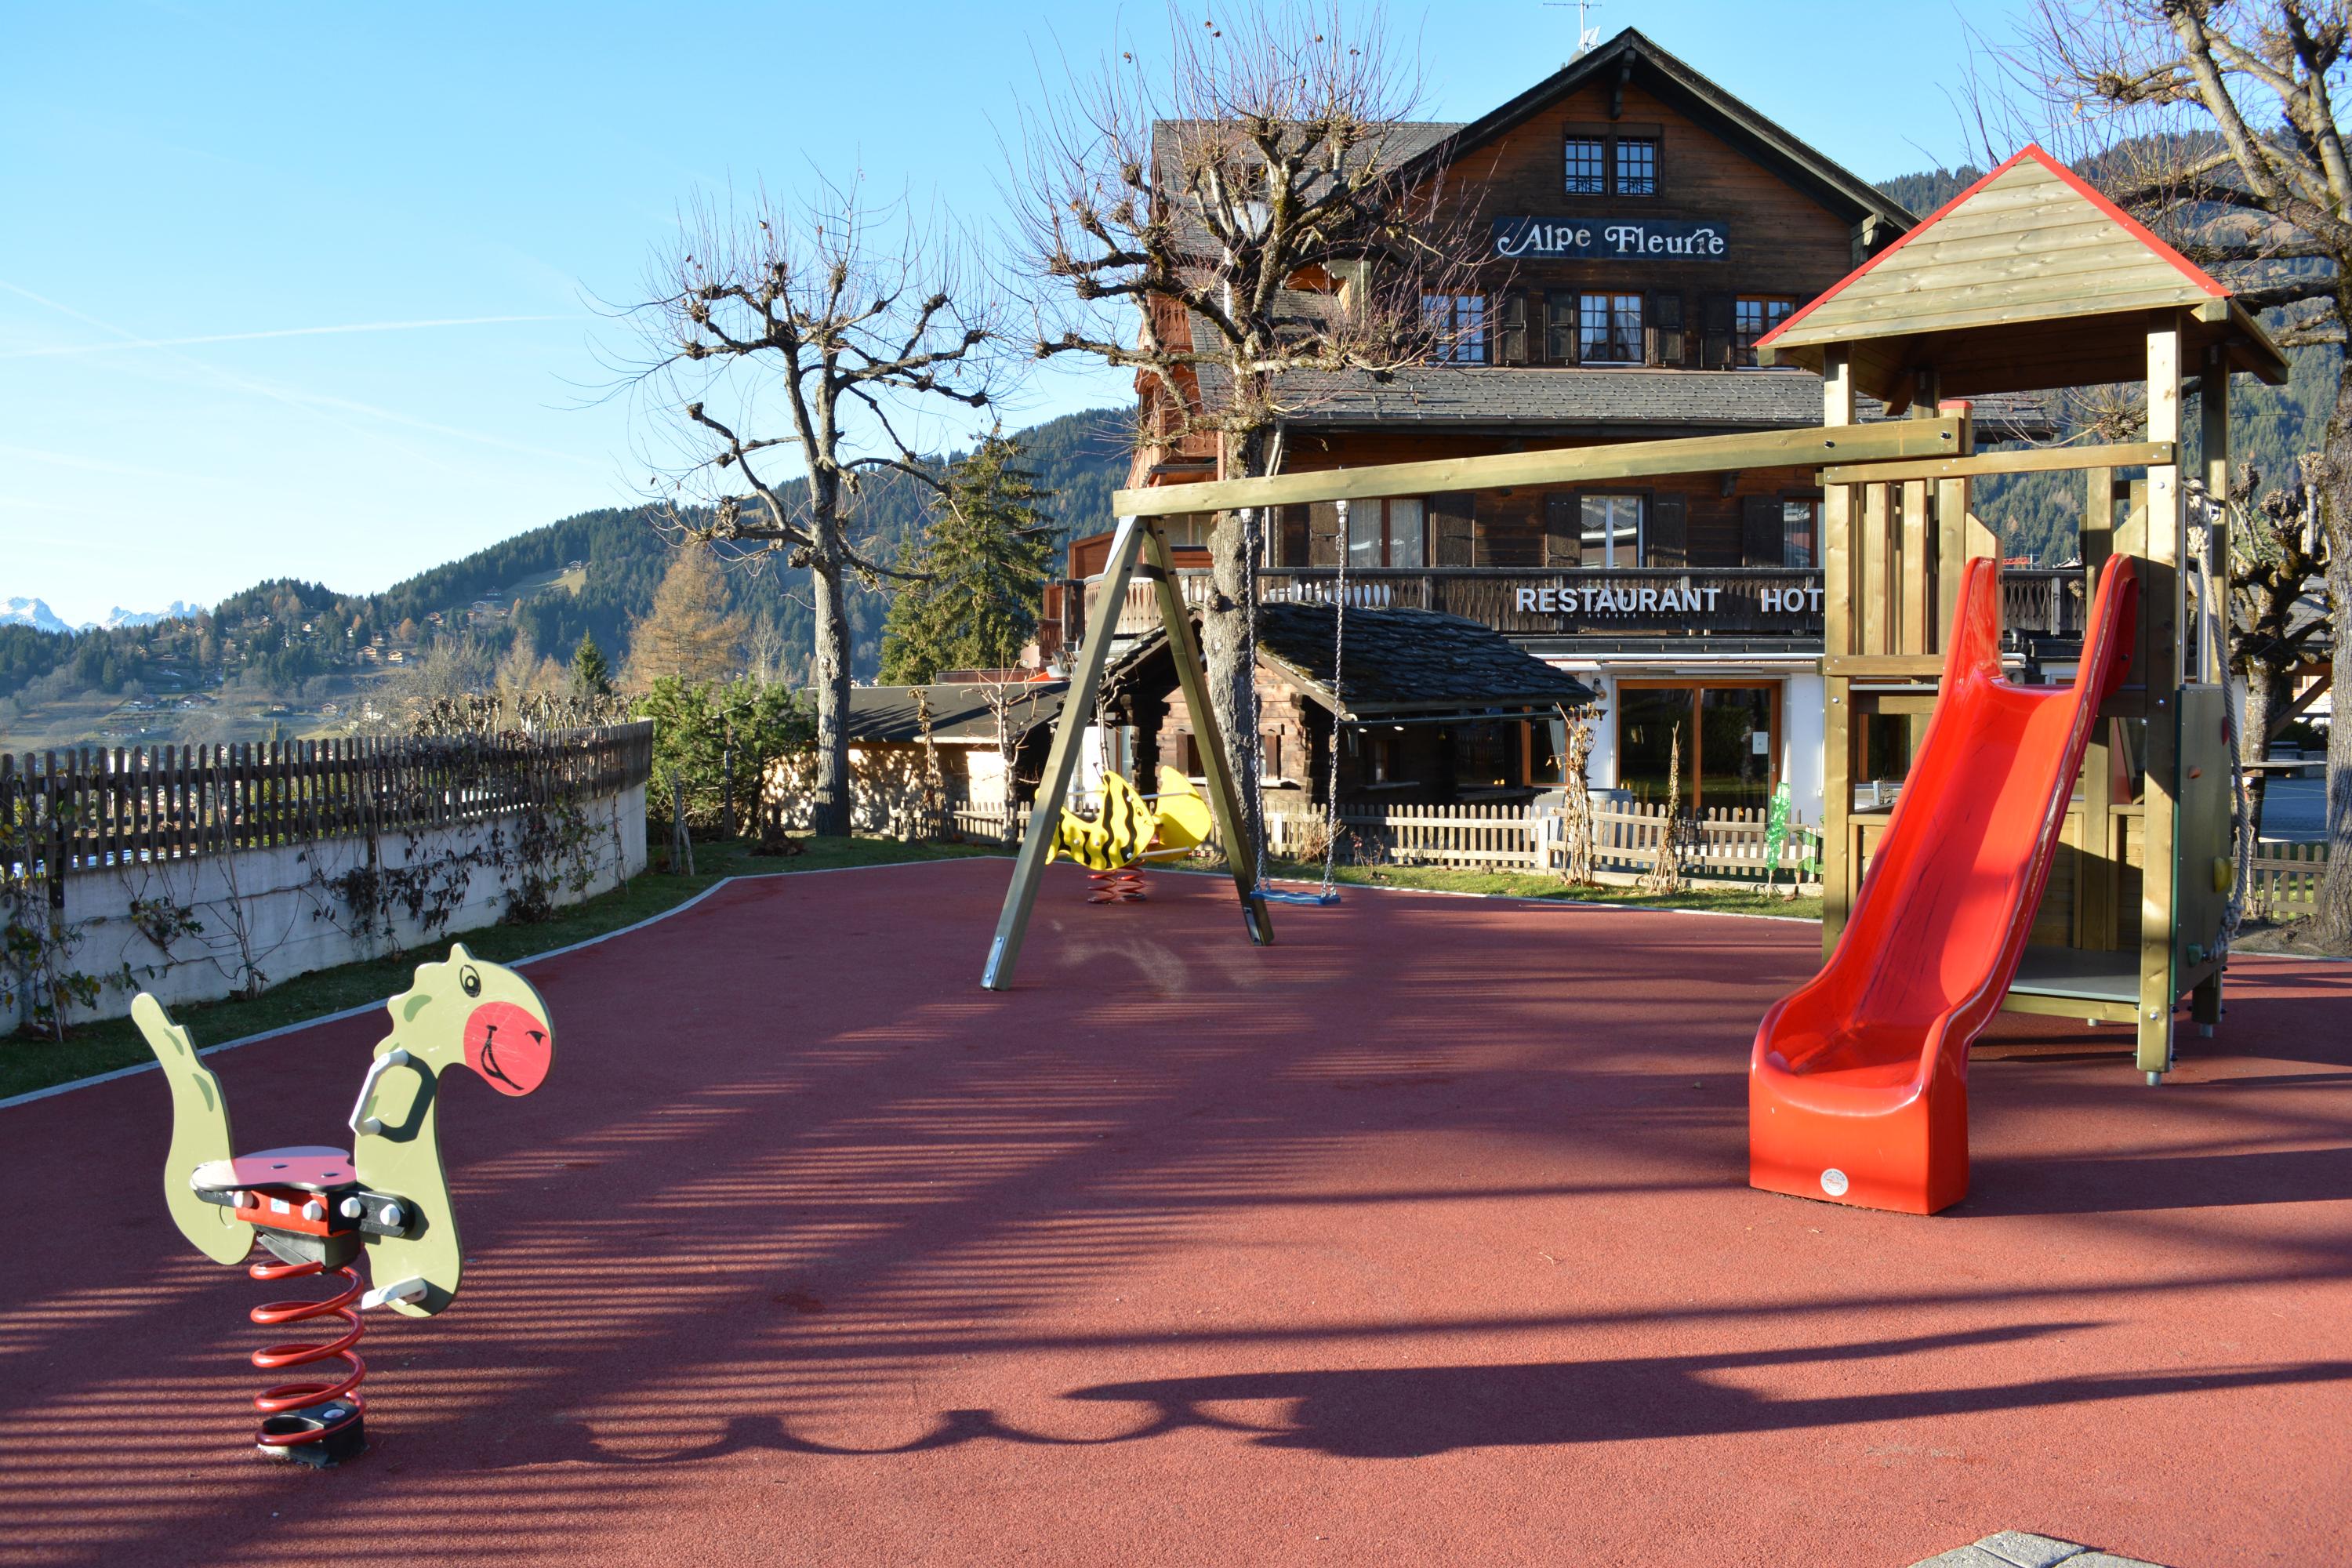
<point x="210" y="926"/>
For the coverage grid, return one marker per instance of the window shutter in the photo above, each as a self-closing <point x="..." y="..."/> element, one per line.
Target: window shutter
<point x="1563" y="529"/>
<point x="1666" y="329"/>
<point x="1451" y="513"/>
<point x="1669" y="531"/>
<point x="1511" y="337"/>
<point x="1323" y="533"/>
<point x="1290" y="538"/>
<point x="1760" y="531"/>
<point x="1714" y="332"/>
<point x="1560" y="317"/>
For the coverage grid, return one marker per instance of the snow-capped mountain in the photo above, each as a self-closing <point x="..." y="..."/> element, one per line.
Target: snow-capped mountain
<point x="31" y="613"/>
<point x="118" y="617"/>
<point x="36" y="613"/>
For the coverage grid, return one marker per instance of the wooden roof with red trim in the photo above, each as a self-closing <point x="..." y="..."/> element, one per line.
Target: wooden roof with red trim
<point x="2028" y="279"/>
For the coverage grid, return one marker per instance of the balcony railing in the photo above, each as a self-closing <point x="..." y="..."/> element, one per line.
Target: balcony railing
<point x="1739" y="602"/>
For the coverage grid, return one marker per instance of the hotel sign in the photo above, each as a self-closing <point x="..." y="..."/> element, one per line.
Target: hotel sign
<point x="1612" y="238"/>
<point x="1653" y="602"/>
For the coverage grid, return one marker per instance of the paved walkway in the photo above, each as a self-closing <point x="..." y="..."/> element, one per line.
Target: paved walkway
<point x="1422" y="1237"/>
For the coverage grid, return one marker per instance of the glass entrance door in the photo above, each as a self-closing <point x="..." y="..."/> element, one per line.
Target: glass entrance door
<point x="1729" y="738"/>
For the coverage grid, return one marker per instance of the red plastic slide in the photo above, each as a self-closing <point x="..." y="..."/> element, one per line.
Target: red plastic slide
<point x="1858" y="1089"/>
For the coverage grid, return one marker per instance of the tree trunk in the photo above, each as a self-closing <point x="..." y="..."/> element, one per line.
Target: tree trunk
<point x="829" y="674"/>
<point x="2332" y="921"/>
<point x="2255" y="743"/>
<point x="1230" y="681"/>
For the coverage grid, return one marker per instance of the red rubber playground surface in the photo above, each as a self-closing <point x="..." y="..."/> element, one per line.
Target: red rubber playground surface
<point x="1422" y="1238"/>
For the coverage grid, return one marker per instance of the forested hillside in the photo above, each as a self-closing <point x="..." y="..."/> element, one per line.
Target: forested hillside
<point x="297" y="646"/>
<point x="2040" y="515"/>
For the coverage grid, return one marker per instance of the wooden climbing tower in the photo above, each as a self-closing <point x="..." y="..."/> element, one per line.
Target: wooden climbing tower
<point x="2030" y="280"/>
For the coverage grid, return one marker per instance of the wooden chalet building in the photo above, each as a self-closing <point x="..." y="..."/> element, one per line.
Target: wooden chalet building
<point x="1644" y="229"/>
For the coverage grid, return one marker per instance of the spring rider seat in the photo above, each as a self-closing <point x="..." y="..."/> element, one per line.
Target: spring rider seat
<point x="316" y="1209"/>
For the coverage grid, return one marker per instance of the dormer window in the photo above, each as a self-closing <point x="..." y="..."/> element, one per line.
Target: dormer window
<point x="1611" y="161"/>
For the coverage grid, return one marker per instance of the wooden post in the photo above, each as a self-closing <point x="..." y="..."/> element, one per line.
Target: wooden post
<point x="1873" y="559"/>
<point x="1837" y="639"/>
<point x="2098" y="865"/>
<point x="2213" y="400"/>
<point x="2161" y="615"/>
<point x="1952" y="534"/>
<point x="1217" y="765"/>
<point x="1915" y="632"/>
<point x="1062" y="758"/>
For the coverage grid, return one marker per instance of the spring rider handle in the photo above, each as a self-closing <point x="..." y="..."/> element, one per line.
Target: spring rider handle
<point x="362" y="1124"/>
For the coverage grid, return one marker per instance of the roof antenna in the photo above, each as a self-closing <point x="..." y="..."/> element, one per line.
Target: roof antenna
<point x="1587" y="38"/>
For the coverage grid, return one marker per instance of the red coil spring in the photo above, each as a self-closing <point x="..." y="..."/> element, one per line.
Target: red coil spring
<point x="292" y="1396"/>
<point x="1124" y="885"/>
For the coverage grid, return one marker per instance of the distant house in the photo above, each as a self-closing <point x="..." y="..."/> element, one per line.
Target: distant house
<point x="1424" y="707"/>
<point x="970" y="724"/>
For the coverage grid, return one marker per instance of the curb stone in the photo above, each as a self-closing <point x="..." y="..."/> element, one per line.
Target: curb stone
<point x="2022" y="1549"/>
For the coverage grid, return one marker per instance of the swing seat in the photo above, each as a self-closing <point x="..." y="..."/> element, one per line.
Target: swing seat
<point x="1284" y="896"/>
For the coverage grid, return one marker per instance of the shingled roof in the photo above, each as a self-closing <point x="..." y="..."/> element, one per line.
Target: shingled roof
<point x="1397" y="663"/>
<point x="1587" y="402"/>
<point x="2029" y="279"/>
<point x="960" y="711"/>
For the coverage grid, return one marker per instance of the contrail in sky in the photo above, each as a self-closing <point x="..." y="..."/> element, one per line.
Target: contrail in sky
<point x="279" y="332"/>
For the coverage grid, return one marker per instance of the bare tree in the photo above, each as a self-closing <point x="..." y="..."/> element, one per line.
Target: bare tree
<point x="1227" y="223"/>
<point x="807" y="337"/>
<point x="2216" y="123"/>
<point x="2276" y="553"/>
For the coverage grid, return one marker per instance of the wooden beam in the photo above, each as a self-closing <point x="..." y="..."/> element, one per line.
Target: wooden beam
<point x="1951" y="537"/>
<point x="2296" y="708"/>
<point x="1886" y="440"/>
<point x="1062" y="757"/>
<point x="2159" y="614"/>
<point x="1838" y="510"/>
<point x="1883" y="666"/>
<point x="1876" y="560"/>
<point x="2037" y="460"/>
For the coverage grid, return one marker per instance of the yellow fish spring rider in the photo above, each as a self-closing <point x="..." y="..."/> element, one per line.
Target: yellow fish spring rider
<point x="1127" y="829"/>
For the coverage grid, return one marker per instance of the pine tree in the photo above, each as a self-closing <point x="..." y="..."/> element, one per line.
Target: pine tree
<point x="984" y="558"/>
<point x="592" y="673"/>
<point x="689" y="632"/>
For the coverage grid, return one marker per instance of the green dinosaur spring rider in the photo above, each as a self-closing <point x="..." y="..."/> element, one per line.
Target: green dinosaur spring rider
<point x="316" y="1209"/>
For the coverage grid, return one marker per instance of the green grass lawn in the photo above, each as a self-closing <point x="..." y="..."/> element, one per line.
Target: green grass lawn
<point x="36" y="1061"/>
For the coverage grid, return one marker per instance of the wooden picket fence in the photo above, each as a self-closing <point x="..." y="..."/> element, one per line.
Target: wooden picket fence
<point x="74" y="810"/>
<point x="1473" y="836"/>
<point x="1729" y="845"/>
<point x="1506" y="835"/>
<point x="2283" y="875"/>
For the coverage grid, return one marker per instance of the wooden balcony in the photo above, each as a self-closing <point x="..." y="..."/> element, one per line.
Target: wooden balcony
<point x="1698" y="602"/>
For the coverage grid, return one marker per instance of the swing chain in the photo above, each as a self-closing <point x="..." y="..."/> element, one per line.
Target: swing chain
<point x="1338" y="705"/>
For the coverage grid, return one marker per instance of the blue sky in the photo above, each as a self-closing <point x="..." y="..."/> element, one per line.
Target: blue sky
<point x="310" y="291"/>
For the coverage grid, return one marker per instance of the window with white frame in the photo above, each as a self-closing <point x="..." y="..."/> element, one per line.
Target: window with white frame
<point x="1612" y="531"/>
